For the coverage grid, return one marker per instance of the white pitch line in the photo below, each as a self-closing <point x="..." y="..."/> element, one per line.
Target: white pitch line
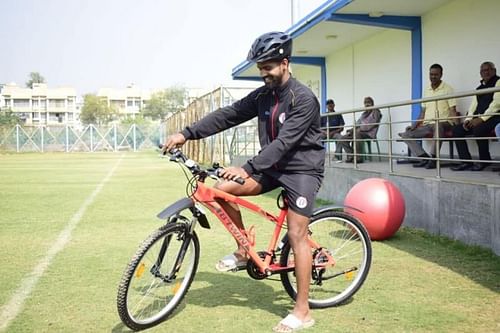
<point x="11" y="309"/>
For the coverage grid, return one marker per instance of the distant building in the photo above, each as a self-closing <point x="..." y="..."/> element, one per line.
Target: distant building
<point x="128" y="102"/>
<point x="40" y="105"/>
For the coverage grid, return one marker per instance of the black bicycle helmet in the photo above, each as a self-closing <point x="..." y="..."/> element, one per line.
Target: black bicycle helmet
<point x="270" y="46"/>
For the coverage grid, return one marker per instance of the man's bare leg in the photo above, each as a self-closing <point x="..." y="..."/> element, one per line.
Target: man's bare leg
<point x="251" y="187"/>
<point x="297" y="234"/>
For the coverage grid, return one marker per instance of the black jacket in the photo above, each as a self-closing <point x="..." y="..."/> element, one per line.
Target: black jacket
<point x="289" y="127"/>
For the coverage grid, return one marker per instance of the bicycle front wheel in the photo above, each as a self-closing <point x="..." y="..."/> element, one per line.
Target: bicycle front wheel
<point x="158" y="276"/>
<point x="342" y="238"/>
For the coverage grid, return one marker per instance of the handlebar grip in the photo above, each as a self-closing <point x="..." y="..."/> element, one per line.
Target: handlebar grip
<point x="171" y="151"/>
<point x="238" y="180"/>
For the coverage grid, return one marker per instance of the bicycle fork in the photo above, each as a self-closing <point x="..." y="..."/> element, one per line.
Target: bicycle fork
<point x="155" y="270"/>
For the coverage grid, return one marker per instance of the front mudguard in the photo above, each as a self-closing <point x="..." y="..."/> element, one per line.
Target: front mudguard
<point x="185" y="203"/>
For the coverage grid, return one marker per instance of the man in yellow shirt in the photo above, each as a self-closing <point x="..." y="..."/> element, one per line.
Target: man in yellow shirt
<point x="437" y="112"/>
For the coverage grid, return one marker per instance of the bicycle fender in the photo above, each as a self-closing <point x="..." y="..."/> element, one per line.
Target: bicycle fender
<point x="182" y="204"/>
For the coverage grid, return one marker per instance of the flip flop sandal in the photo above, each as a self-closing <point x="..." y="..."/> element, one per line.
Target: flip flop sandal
<point x="230" y="262"/>
<point x="291" y="324"/>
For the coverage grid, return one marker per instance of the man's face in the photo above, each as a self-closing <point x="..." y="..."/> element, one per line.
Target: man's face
<point x="272" y="72"/>
<point x="435" y="75"/>
<point x="368" y="102"/>
<point x="487" y="72"/>
<point x="330" y="107"/>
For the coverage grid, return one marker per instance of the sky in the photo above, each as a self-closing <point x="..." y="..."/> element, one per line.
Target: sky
<point x="154" y="44"/>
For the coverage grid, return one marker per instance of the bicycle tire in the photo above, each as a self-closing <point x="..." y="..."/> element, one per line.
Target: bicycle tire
<point x="345" y="238"/>
<point x="145" y="296"/>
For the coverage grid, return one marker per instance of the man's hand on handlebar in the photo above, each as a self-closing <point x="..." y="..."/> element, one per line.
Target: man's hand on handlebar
<point x="173" y="141"/>
<point x="232" y="173"/>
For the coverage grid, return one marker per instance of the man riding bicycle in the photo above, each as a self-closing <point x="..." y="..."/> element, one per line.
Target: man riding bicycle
<point x="292" y="156"/>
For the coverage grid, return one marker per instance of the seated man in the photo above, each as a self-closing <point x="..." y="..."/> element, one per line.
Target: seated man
<point x="334" y="127"/>
<point x="425" y="125"/>
<point x="366" y="128"/>
<point x="481" y="119"/>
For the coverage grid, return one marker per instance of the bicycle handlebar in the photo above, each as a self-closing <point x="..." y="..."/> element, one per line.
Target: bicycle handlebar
<point x="177" y="155"/>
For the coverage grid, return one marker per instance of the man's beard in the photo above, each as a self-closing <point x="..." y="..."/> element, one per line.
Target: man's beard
<point x="272" y="81"/>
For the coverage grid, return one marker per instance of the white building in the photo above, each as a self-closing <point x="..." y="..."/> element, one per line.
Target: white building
<point x="128" y="101"/>
<point x="40" y="105"/>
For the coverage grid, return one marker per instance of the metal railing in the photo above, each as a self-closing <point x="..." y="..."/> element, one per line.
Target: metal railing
<point x="389" y="155"/>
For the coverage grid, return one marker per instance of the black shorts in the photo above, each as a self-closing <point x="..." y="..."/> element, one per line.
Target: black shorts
<point x="301" y="189"/>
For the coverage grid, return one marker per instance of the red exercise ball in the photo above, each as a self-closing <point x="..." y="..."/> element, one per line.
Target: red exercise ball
<point x="378" y="204"/>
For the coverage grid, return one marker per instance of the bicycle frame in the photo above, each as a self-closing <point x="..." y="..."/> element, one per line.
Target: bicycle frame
<point x="207" y="195"/>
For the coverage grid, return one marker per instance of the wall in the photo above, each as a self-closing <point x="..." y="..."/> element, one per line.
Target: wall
<point x="380" y="67"/>
<point x="466" y="212"/>
<point x="310" y="76"/>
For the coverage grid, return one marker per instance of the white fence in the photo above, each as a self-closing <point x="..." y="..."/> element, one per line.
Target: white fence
<point x="89" y="138"/>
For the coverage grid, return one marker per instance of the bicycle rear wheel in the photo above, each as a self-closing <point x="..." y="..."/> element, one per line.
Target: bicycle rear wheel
<point x="158" y="276"/>
<point x="344" y="238"/>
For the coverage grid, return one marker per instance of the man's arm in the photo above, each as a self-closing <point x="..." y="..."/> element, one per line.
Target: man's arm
<point x="223" y="118"/>
<point x="373" y="120"/>
<point x="472" y="109"/>
<point x="453" y="113"/>
<point x="494" y="106"/>
<point x="341" y="124"/>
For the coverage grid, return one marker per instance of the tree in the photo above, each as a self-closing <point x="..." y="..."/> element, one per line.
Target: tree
<point x="7" y="117"/>
<point x="96" y="111"/>
<point x="165" y="102"/>
<point x="35" y="77"/>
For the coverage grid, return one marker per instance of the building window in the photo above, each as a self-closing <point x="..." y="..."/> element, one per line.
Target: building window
<point x="57" y="103"/>
<point x="21" y="103"/>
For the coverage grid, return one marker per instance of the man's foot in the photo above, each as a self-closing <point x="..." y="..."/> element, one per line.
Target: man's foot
<point x="430" y="165"/>
<point x="351" y="160"/>
<point x="420" y="164"/>
<point x="230" y="262"/>
<point x="462" y="167"/>
<point x="479" y="166"/>
<point x="292" y="324"/>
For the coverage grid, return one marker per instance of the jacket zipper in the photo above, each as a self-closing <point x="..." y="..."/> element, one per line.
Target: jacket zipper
<point x="273" y="114"/>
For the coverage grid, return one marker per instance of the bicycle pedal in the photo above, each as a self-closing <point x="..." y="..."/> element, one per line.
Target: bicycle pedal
<point x="236" y="269"/>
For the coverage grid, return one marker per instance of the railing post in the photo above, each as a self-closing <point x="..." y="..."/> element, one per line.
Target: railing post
<point x="134" y="136"/>
<point x="67" y="138"/>
<point x="17" y="138"/>
<point x="437" y="141"/>
<point x="41" y="137"/>
<point x="389" y="152"/>
<point x="91" y="138"/>
<point x="354" y="141"/>
<point x="114" y="138"/>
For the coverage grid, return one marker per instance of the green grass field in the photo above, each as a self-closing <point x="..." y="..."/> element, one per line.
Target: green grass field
<point x="418" y="283"/>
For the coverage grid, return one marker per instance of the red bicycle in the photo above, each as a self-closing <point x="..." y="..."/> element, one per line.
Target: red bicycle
<point x="161" y="271"/>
